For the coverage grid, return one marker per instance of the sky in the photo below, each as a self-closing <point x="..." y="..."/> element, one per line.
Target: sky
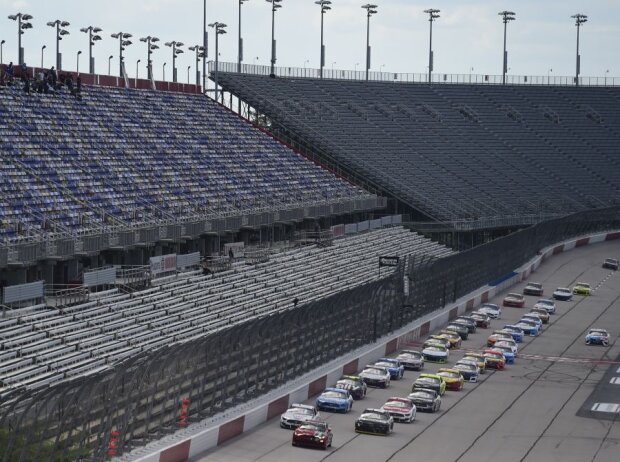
<point x="467" y="38"/>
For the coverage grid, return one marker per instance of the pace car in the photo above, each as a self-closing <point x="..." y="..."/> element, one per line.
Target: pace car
<point x="495" y="359"/>
<point x="431" y="381"/>
<point x="597" y="337"/>
<point x="545" y="304"/>
<point x="528" y="327"/>
<point x="412" y="359"/>
<point x="335" y="399"/>
<point x="498" y="335"/>
<point x="582" y="288"/>
<point x="460" y="329"/>
<point x="453" y="378"/>
<point x="313" y="434"/>
<point x="541" y="313"/>
<point x="517" y="332"/>
<point x="479" y="358"/>
<point x="436" y="353"/>
<point x="354" y="385"/>
<point x="394" y="367"/>
<point x="533" y="288"/>
<point x="453" y="337"/>
<point x="469" y="369"/>
<point x="506" y="351"/>
<point x="611" y="263"/>
<point x="563" y="293"/>
<point x="425" y="399"/>
<point x="298" y="414"/>
<point x="374" y="422"/>
<point x="516" y="300"/>
<point x="481" y="319"/>
<point x="401" y="409"/>
<point x="375" y="376"/>
<point x="492" y="310"/>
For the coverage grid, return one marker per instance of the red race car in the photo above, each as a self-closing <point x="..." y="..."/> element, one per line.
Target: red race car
<point x="314" y="434"/>
<point x="494" y="359"/>
<point x="516" y="300"/>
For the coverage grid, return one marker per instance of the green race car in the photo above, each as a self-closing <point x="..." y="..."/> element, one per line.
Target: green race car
<point x="582" y="288"/>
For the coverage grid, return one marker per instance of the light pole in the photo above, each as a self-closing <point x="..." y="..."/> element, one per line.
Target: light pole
<point x="433" y="14"/>
<point x="91" y="42"/>
<point x="324" y="4"/>
<point x="199" y="54"/>
<point x="219" y="28"/>
<point x="370" y="10"/>
<point x="122" y="43"/>
<point x="109" y="61"/>
<point x="175" y="51"/>
<point x="150" y="47"/>
<point x="579" y="20"/>
<point x="77" y="65"/>
<point x="507" y="16"/>
<point x="275" y="4"/>
<point x="60" y="32"/>
<point x="606" y="72"/>
<point x="188" y="68"/>
<point x="1" y="47"/>
<point x="240" y="43"/>
<point x="42" y="49"/>
<point x="22" y="24"/>
<point x="163" y="72"/>
<point x="138" y="69"/>
<point x="471" y="69"/>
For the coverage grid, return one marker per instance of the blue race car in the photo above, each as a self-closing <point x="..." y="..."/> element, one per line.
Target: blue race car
<point x="597" y="337"/>
<point x="394" y="367"/>
<point x="469" y="369"/>
<point x="528" y="327"/>
<point x="509" y="355"/>
<point x="517" y="332"/>
<point x="533" y="318"/>
<point x="335" y="399"/>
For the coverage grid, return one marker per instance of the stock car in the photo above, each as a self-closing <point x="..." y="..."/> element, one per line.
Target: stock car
<point x="517" y="332"/>
<point x="354" y="385"/>
<point x="533" y="318"/>
<point x="453" y="337"/>
<point x="313" y="433"/>
<point x="430" y="381"/>
<point x="492" y="310"/>
<point x="375" y="376"/>
<point x="412" y="359"/>
<point x="506" y="351"/>
<point x="563" y="293"/>
<point x="482" y="320"/>
<point x="528" y="327"/>
<point x="374" y="422"/>
<point x="611" y="263"/>
<point x="433" y="340"/>
<point x="478" y="358"/>
<point x="298" y="414"/>
<point x="494" y="359"/>
<point x="545" y="304"/>
<point x="533" y="288"/>
<point x="436" y="353"/>
<point x="453" y="378"/>
<point x="335" y="399"/>
<point x="401" y="409"/>
<point x="394" y="367"/>
<point x="470" y="324"/>
<point x="498" y="335"/>
<point x="425" y="399"/>
<point x="541" y="313"/>
<point x="510" y="343"/>
<point x="469" y="369"/>
<point x="582" y="288"/>
<point x="460" y="329"/>
<point x="597" y="337"/>
<point x="516" y="300"/>
<point x="445" y="338"/>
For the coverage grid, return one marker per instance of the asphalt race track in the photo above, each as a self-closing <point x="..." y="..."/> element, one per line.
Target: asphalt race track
<point x="527" y="412"/>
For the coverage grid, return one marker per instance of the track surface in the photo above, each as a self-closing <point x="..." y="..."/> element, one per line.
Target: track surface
<point x="524" y="413"/>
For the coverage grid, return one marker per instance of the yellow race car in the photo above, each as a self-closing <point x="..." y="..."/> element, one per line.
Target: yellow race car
<point x="453" y="378"/>
<point x="582" y="288"/>
<point x="480" y="360"/>
<point x="455" y="339"/>
<point x="541" y="313"/>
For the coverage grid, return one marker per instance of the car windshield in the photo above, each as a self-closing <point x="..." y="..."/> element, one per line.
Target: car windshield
<point x="611" y="260"/>
<point x="544" y="301"/>
<point x="427" y="380"/>
<point x="455" y="326"/>
<point x="491" y="306"/>
<point x="436" y="348"/>
<point x="373" y="371"/>
<point x="527" y="322"/>
<point x="451" y="375"/>
<point x="563" y="290"/>
<point x="334" y="394"/>
<point x="505" y="349"/>
<point x="302" y="410"/>
<point x="534" y="284"/>
<point x="317" y="427"/>
<point x="421" y="395"/>
<point x="400" y="404"/>
<point x="347" y="382"/>
<point x="519" y="296"/>
<point x="384" y="364"/>
<point x="583" y="284"/>
<point x="598" y="332"/>
<point x="465" y="366"/>
<point x="493" y="354"/>
<point x="372" y="416"/>
<point x="414" y="355"/>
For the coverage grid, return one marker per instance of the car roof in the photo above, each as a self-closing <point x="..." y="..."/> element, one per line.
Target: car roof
<point x="447" y="369"/>
<point x="415" y="352"/>
<point x="398" y="398"/>
<point x="429" y="375"/>
<point x="339" y="390"/>
<point x="351" y="377"/>
<point x="302" y="406"/>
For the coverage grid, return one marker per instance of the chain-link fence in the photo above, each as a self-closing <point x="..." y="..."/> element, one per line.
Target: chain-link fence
<point x="151" y="395"/>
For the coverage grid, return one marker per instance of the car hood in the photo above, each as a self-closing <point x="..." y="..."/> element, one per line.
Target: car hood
<point x="397" y="409"/>
<point x="307" y="432"/>
<point x="297" y="416"/>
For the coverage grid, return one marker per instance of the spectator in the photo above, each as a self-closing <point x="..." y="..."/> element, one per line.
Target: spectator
<point x="26" y="84"/>
<point x="295" y="302"/>
<point x="231" y="254"/>
<point x="9" y="70"/>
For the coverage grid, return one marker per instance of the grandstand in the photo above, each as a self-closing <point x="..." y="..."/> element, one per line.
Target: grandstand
<point x="466" y="156"/>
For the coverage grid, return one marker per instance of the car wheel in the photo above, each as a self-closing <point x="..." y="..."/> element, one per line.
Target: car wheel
<point x="294" y="444"/>
<point x="605" y="343"/>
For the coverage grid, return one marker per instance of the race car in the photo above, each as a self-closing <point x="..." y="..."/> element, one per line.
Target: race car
<point x="401" y="409"/>
<point x="425" y="399"/>
<point x="460" y="329"/>
<point x="497" y="335"/>
<point x="597" y="337"/>
<point x="516" y="300"/>
<point x="533" y="288"/>
<point x="412" y="359"/>
<point x="545" y="304"/>
<point x="506" y="351"/>
<point x="314" y="434"/>
<point x="394" y="367"/>
<point x="335" y="399"/>
<point x="375" y="376"/>
<point x="528" y="327"/>
<point x="453" y="378"/>
<point x="453" y="337"/>
<point x="469" y="369"/>
<point x="495" y="359"/>
<point x="433" y="340"/>
<point x="492" y="310"/>
<point x="517" y="332"/>
<point x="444" y="338"/>
<point x="354" y="385"/>
<point x="298" y="414"/>
<point x="467" y="322"/>
<point x="582" y="288"/>
<point x="510" y="343"/>
<point x="481" y="319"/>
<point x="541" y="313"/>
<point x="431" y="381"/>
<point x="533" y="318"/>
<point x="479" y="358"/>
<point x="563" y="293"/>
<point x="611" y="263"/>
<point x="374" y="422"/>
<point x="436" y="353"/>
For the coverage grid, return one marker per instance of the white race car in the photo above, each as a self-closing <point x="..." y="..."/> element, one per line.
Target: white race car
<point x="297" y="415"/>
<point x="436" y="353"/>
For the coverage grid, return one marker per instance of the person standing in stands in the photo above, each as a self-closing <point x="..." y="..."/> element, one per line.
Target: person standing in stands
<point x="231" y="254"/>
<point x="295" y="302"/>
